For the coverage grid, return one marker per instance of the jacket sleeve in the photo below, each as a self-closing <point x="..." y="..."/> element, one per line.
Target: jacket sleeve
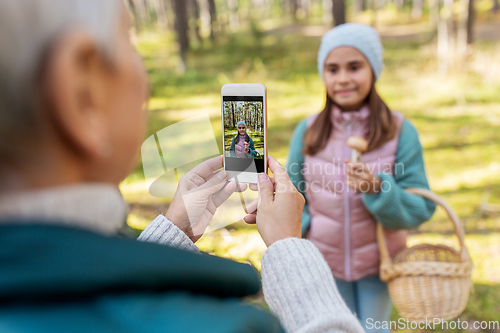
<point x="252" y="148"/>
<point x="162" y="231"/>
<point x="393" y="206"/>
<point x="294" y="168"/>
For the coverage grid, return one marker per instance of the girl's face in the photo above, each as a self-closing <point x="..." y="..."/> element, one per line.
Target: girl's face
<point x="241" y="129"/>
<point x="348" y="77"/>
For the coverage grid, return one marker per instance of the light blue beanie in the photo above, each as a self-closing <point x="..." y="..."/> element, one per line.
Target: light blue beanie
<point x="360" y="36"/>
<point x="241" y="122"/>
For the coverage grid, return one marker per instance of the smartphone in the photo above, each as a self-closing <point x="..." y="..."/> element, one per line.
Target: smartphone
<point x="244" y="130"/>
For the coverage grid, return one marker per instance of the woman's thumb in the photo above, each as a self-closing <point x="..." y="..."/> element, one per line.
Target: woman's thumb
<point x="266" y="188"/>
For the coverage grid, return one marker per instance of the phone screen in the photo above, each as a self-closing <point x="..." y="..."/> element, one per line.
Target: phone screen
<point x="244" y="133"/>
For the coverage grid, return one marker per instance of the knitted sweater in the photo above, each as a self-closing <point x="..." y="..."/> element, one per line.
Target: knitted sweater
<point x="396" y="209"/>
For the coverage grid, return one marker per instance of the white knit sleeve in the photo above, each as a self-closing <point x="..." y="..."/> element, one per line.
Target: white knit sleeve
<point x="299" y="288"/>
<point x="162" y="231"/>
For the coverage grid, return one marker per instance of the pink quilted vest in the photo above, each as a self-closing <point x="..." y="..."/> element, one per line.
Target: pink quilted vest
<point x="341" y="226"/>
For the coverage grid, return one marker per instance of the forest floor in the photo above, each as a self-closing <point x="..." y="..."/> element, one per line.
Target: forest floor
<point x="457" y="116"/>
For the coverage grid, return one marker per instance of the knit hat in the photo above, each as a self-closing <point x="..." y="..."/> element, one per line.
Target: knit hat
<point x="241" y="122"/>
<point x="360" y="36"/>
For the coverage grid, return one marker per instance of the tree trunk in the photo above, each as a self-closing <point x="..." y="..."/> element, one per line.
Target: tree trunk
<point x="161" y="14"/>
<point x="338" y="11"/>
<point x="232" y="109"/>
<point x="234" y="19"/>
<point x="358" y="6"/>
<point x="204" y="16"/>
<point x="261" y="113"/>
<point x="294" y="8"/>
<point x="496" y="6"/>
<point x="416" y="10"/>
<point x="373" y="10"/>
<point x="245" y="110"/>
<point x="213" y="17"/>
<point x="306" y="6"/>
<point x="327" y="10"/>
<point x="181" y="28"/>
<point x="195" y="10"/>
<point x="170" y="13"/>
<point x="133" y="9"/>
<point x="470" y="21"/>
<point x="140" y="5"/>
<point x="462" y="28"/>
<point x="434" y="14"/>
<point x="446" y="39"/>
<point x="399" y="4"/>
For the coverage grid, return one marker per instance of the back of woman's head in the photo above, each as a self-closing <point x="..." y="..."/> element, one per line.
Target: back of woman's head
<point x="28" y="31"/>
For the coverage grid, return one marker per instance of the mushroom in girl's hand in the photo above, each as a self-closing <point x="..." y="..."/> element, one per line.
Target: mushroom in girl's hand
<point x="358" y="145"/>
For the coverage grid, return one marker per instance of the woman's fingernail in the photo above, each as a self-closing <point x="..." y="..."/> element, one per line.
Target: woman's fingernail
<point x="262" y="178"/>
<point x="222" y="175"/>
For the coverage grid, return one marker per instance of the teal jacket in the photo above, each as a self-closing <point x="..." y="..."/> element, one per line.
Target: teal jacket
<point x="252" y="151"/>
<point x="396" y="209"/>
<point x="57" y="279"/>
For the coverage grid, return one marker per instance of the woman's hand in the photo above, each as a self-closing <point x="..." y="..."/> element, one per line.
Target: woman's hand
<point x="278" y="210"/>
<point x="247" y="149"/>
<point x="199" y="193"/>
<point x="360" y="178"/>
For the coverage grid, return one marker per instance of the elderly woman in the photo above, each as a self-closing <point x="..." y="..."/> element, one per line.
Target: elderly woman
<point x="72" y="91"/>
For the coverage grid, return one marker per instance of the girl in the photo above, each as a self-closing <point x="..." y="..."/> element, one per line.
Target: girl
<point x="242" y="144"/>
<point x="344" y="200"/>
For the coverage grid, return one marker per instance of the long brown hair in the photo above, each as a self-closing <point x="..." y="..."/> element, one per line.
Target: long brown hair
<point x="381" y="121"/>
<point x="237" y="138"/>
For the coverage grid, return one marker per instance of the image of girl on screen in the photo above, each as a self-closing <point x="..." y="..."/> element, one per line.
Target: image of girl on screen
<point x="242" y="145"/>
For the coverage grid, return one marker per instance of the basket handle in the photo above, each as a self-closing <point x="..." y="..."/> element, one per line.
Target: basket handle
<point x="385" y="258"/>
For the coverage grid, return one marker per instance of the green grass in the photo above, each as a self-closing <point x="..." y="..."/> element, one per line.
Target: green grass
<point x="457" y="116"/>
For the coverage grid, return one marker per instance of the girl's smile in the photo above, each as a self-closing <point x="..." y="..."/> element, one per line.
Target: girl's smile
<point x="345" y="92"/>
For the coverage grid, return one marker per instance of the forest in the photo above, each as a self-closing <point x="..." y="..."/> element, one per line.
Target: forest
<point x="441" y="70"/>
<point x="195" y="22"/>
<point x="249" y="112"/>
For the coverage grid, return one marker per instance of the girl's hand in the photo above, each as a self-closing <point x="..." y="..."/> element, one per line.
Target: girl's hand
<point x="360" y="178"/>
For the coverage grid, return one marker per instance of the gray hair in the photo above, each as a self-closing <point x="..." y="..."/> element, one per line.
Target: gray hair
<point x="27" y="30"/>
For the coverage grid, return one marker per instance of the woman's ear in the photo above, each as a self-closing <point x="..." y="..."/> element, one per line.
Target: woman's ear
<point x="75" y="86"/>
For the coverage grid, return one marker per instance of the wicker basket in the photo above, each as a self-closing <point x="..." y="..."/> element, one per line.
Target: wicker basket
<point x="428" y="281"/>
